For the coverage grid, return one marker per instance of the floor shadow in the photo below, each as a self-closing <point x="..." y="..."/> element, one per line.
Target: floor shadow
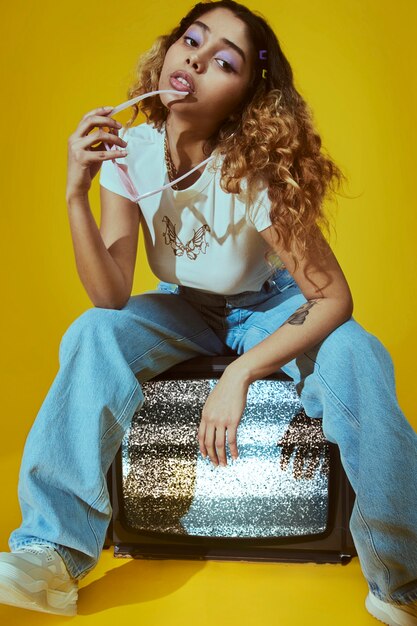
<point x="135" y="582"/>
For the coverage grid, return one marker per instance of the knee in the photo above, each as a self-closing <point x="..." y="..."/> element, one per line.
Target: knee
<point x="349" y="335"/>
<point x="350" y="341"/>
<point x="94" y="321"/>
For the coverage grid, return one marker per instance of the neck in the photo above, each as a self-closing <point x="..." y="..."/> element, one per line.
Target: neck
<point x="187" y="143"/>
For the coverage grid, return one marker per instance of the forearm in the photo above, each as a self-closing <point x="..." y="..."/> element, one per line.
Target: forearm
<point x="99" y="273"/>
<point x="309" y="325"/>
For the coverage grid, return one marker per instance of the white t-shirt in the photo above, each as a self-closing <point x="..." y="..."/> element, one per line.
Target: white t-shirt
<point x="200" y="237"/>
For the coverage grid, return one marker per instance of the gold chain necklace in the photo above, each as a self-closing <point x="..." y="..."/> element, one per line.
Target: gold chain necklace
<point x="172" y="170"/>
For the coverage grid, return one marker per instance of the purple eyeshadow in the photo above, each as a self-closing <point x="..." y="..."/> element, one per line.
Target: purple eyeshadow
<point x="193" y="35"/>
<point x="229" y="59"/>
<point x="225" y="56"/>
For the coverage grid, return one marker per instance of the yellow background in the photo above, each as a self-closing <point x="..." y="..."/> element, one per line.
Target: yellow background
<point x="354" y="61"/>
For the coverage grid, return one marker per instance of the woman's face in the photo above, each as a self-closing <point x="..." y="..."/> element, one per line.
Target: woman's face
<point x="217" y="57"/>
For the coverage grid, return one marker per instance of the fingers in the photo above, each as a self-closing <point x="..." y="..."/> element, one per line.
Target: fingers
<point x="212" y="443"/>
<point x="99" y="111"/>
<point x="209" y="443"/>
<point x="220" y="443"/>
<point x="201" y="435"/>
<point x="206" y="438"/>
<point x="96" y="118"/>
<point x="86" y="147"/>
<point x="232" y="441"/>
<point x="100" y="136"/>
<point x="93" y="121"/>
<point x="84" y="152"/>
<point x="97" y="154"/>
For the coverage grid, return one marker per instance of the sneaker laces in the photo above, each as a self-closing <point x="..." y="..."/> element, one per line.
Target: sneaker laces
<point x="52" y="558"/>
<point x="49" y="553"/>
<point x="36" y="549"/>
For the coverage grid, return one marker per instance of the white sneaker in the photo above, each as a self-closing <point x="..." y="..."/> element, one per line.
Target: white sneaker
<point x="392" y="614"/>
<point x="35" y="577"/>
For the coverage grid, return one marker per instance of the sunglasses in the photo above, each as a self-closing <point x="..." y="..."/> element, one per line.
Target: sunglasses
<point x="122" y="169"/>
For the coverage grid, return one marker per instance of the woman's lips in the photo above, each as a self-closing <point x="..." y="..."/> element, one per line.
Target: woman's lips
<point x="179" y="85"/>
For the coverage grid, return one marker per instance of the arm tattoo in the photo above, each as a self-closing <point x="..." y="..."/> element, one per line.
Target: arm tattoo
<point x="299" y="316"/>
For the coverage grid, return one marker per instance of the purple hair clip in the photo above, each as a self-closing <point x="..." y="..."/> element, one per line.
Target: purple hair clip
<point x="262" y="56"/>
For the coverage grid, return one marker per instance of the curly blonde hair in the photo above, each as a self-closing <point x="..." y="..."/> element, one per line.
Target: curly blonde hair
<point x="270" y="141"/>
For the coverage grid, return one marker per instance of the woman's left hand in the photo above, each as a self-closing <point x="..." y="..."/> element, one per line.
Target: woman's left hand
<point x="222" y="413"/>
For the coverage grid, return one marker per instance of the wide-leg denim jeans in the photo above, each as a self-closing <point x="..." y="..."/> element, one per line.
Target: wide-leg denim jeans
<point x="105" y="355"/>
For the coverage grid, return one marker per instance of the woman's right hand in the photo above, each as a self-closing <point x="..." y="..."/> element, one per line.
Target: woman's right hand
<point x="84" y="161"/>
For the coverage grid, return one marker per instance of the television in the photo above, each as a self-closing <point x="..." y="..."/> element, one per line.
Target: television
<point x="286" y="497"/>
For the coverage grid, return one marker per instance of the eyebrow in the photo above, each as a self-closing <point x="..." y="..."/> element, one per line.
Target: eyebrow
<point x="223" y="39"/>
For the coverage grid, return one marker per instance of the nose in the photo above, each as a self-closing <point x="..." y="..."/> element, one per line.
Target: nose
<point x="195" y="61"/>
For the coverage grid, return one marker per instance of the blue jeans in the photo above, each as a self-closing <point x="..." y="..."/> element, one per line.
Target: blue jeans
<point x="347" y="380"/>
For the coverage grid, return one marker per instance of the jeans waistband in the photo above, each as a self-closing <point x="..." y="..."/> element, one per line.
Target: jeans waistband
<point x="278" y="281"/>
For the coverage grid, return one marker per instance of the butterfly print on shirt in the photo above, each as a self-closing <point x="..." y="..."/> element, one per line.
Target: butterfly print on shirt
<point x="193" y="247"/>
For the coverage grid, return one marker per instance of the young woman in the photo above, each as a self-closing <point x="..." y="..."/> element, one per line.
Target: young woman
<point x="244" y="269"/>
